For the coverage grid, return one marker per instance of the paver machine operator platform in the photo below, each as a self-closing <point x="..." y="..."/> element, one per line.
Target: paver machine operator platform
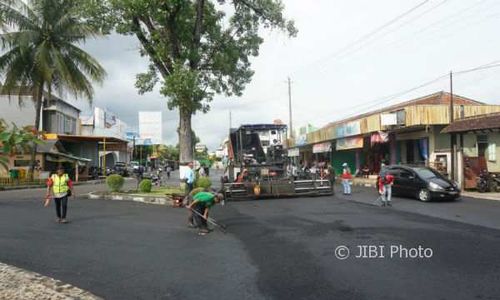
<point x="257" y="166"/>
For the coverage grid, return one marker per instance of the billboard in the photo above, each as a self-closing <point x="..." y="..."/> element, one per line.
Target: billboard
<point x="150" y="127"/>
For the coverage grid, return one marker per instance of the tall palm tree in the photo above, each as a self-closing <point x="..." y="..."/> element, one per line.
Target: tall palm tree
<point x="41" y="39"/>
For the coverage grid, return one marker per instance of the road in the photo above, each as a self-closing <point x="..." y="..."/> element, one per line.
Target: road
<point x="275" y="249"/>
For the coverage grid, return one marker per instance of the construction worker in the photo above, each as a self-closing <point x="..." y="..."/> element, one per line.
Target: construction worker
<point x="202" y="202"/>
<point x="60" y="186"/>
<point x="346" y="179"/>
<point x="386" y="181"/>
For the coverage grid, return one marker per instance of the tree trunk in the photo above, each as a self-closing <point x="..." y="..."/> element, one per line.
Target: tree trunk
<point x="38" y="112"/>
<point x="185" y="137"/>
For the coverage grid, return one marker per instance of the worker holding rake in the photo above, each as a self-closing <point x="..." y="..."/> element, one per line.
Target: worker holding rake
<point x="200" y="207"/>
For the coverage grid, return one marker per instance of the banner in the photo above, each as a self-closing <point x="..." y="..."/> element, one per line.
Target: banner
<point x="322" y="148"/>
<point x="349" y="129"/>
<point x="301" y="140"/>
<point x="388" y="119"/>
<point x="294" y="152"/>
<point x="350" y="143"/>
<point x="379" y="138"/>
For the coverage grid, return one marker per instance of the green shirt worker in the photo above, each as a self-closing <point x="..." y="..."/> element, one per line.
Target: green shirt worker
<point x="202" y="202"/>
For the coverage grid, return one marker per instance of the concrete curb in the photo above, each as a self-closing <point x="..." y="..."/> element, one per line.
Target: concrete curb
<point x="29" y="187"/>
<point x="19" y="284"/>
<point x="158" y="200"/>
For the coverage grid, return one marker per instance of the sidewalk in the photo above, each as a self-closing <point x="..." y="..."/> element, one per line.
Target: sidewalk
<point x="18" y="284"/>
<point x="477" y="195"/>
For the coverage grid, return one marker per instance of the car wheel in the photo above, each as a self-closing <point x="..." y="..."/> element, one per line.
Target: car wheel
<point x="424" y="195"/>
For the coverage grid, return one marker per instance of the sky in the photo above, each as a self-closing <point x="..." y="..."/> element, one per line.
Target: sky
<point x="348" y="56"/>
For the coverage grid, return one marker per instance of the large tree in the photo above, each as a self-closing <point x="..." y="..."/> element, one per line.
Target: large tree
<point x="197" y="48"/>
<point x="41" y="40"/>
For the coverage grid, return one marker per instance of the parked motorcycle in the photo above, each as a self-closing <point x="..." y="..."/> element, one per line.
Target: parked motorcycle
<point x="488" y="182"/>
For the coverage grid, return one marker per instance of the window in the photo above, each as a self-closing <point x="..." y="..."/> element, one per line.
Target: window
<point x="492" y="152"/>
<point x="69" y="125"/>
<point x="406" y="174"/>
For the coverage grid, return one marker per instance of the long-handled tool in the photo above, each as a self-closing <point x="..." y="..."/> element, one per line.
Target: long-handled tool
<point x="221" y="227"/>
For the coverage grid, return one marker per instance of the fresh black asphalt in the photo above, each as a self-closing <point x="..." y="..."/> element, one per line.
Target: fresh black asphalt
<point x="274" y="249"/>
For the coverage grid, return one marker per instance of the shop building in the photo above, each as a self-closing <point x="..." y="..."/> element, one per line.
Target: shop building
<point x="478" y="146"/>
<point x="406" y="133"/>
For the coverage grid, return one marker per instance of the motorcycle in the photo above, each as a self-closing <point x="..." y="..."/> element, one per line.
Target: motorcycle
<point x="488" y="182"/>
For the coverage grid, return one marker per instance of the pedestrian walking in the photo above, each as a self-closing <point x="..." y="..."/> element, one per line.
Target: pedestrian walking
<point x="169" y="170"/>
<point x="202" y="202"/>
<point x="189" y="178"/>
<point x="386" y="181"/>
<point x="346" y="179"/>
<point x="59" y="187"/>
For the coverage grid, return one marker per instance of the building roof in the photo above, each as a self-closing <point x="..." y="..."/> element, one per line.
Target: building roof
<point x="476" y="123"/>
<point x="89" y="138"/>
<point x="439" y="98"/>
<point x="55" y="149"/>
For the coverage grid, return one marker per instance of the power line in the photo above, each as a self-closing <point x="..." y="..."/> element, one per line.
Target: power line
<point x="368" y="35"/>
<point x="386" y="99"/>
<point x="368" y="42"/>
<point x="439" y="24"/>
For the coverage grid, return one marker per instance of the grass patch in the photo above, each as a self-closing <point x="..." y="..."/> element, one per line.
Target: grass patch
<point x="164" y="190"/>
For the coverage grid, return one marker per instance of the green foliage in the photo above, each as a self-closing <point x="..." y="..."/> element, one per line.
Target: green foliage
<point x="197" y="48"/>
<point x="145" y="186"/>
<point x="41" y="48"/>
<point x="15" y="141"/>
<point x="39" y="51"/>
<point x="203" y="182"/>
<point x="115" y="182"/>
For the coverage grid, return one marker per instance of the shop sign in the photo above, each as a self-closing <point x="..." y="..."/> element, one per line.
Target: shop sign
<point x="321" y="148"/>
<point x="348" y="129"/>
<point x="350" y="143"/>
<point x="294" y="152"/>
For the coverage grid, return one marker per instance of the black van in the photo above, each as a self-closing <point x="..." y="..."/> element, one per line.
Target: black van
<point x="423" y="183"/>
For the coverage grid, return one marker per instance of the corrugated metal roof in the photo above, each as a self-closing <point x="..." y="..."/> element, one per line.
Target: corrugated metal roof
<point x="483" y="122"/>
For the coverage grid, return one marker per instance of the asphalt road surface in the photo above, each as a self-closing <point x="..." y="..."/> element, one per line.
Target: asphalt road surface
<point x="274" y="249"/>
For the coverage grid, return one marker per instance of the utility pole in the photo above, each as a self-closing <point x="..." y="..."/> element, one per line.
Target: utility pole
<point x="452" y="135"/>
<point x="230" y="121"/>
<point x="291" y="135"/>
<point x="133" y="149"/>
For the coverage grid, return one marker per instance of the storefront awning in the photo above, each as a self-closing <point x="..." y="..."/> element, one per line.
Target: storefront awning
<point x="62" y="157"/>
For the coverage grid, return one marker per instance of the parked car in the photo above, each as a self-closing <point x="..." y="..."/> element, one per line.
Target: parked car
<point x="423" y="183"/>
<point x="120" y="168"/>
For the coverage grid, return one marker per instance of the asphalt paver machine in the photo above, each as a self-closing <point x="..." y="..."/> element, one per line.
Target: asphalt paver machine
<point x="257" y="166"/>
